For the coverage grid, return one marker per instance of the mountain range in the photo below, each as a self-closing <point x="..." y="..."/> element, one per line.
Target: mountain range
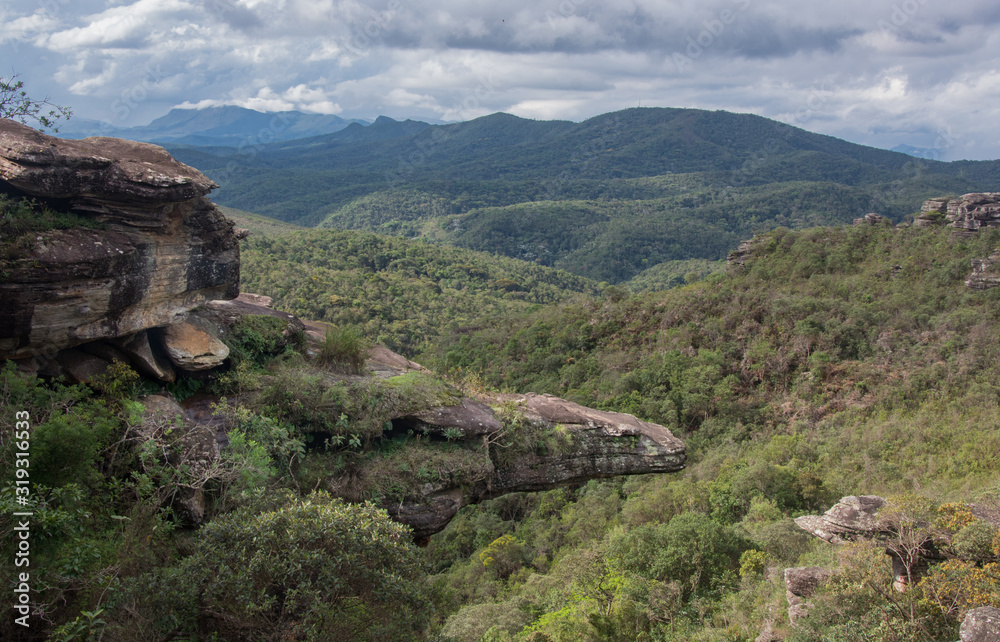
<point x="226" y="125"/>
<point x="606" y="198"/>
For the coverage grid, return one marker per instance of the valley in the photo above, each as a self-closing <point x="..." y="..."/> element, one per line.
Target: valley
<point x="505" y="380"/>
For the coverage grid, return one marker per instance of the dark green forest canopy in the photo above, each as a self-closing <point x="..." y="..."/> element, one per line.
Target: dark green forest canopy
<point x="606" y="198"/>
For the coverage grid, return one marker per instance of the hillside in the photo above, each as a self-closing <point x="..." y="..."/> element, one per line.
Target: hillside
<point x="606" y="198"/>
<point x="840" y="361"/>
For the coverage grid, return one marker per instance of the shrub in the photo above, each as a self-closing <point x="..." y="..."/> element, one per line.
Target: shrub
<point x="344" y="350"/>
<point x="314" y="568"/>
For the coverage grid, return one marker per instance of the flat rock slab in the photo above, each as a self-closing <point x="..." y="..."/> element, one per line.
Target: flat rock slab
<point x="469" y="417"/>
<point x="848" y="519"/>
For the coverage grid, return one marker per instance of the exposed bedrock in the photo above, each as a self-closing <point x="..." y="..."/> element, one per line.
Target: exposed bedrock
<point x="163" y="248"/>
<point x="590" y="444"/>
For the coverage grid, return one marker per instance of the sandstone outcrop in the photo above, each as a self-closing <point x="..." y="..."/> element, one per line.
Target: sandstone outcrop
<point x="872" y="219"/>
<point x="985" y="273"/>
<point x="163" y="250"/>
<point x="911" y="548"/>
<point x="969" y="212"/>
<point x="800" y="585"/>
<point x="586" y="444"/>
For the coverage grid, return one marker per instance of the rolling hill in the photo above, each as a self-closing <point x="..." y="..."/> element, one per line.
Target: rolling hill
<point x="606" y="198"/>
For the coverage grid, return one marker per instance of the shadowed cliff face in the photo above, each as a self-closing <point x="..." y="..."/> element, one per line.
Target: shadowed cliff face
<point x="164" y="247"/>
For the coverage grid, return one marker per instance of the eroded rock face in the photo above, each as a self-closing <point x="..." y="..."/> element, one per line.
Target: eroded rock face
<point x="849" y="519"/>
<point x="800" y="585"/>
<point x="969" y="212"/>
<point x="590" y="444"/>
<point x="165" y="248"/>
<point x="985" y="273"/>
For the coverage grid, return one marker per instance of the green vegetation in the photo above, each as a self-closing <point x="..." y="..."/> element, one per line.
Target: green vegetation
<point x="402" y="294"/>
<point x="21" y="218"/>
<point x="15" y="103"/>
<point x="838" y="361"/>
<point x="606" y="198"/>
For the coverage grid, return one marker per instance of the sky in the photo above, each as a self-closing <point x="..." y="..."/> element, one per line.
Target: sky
<point x="924" y="73"/>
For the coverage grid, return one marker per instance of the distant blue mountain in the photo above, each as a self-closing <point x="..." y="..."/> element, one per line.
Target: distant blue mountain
<point x="928" y="153"/>
<point x="217" y="126"/>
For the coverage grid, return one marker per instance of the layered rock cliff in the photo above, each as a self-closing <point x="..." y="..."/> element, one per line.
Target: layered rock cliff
<point x="163" y="248"/>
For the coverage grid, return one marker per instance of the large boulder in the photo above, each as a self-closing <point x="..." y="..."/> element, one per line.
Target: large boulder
<point x="163" y="248"/>
<point x="981" y="625"/>
<point x="194" y="345"/>
<point x="801" y="583"/>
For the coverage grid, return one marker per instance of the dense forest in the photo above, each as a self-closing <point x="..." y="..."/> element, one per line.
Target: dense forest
<point x="837" y="361"/>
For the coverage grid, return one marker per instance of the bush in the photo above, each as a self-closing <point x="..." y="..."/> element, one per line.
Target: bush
<point x="314" y="568"/>
<point x="344" y="350"/>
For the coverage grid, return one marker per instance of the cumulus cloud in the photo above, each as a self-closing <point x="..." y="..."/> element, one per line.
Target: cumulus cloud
<point x="871" y="73"/>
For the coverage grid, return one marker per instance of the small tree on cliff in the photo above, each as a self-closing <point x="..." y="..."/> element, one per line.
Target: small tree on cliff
<point x="17" y="105"/>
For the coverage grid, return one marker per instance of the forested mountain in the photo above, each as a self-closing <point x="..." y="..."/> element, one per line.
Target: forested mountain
<point x="606" y="198"/>
<point x="839" y="361"/>
<point x="224" y="125"/>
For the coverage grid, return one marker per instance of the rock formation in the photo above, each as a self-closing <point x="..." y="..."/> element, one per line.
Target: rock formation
<point x="800" y="585"/>
<point x="968" y="213"/>
<point x="911" y="547"/>
<point x="873" y="219"/>
<point x="985" y="273"/>
<point x="592" y="444"/>
<point x="981" y="625"/>
<point x="156" y="285"/>
<point x="163" y="250"/>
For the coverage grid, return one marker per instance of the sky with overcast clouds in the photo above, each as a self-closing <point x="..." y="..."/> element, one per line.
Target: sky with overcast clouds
<point x="919" y="72"/>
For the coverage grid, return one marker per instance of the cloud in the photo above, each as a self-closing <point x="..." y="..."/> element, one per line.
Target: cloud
<point x="845" y="68"/>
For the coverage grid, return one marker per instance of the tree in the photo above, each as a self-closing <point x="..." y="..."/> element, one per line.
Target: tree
<point x="17" y="105"/>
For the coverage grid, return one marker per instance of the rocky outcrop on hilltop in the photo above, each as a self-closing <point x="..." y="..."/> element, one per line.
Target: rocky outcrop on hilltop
<point x="163" y="248"/>
<point x="969" y="212"/>
<point x="156" y="286"/>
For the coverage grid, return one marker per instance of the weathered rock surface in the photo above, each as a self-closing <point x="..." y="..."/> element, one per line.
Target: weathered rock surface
<point x="872" y="219"/>
<point x="165" y="248"/>
<point x="194" y="345"/>
<point x="849" y="519"/>
<point x="737" y="259"/>
<point x="801" y="584"/>
<point x="985" y="273"/>
<point x="981" y="625"/>
<point x="469" y="418"/>
<point x="969" y="212"/>
<point x="146" y="357"/>
<point x="592" y="444"/>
